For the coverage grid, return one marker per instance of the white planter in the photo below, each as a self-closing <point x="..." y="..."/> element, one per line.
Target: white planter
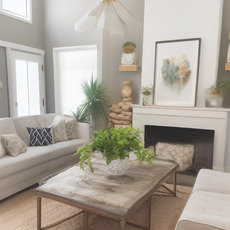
<point x="118" y="167"/>
<point x="146" y="100"/>
<point x="213" y="100"/>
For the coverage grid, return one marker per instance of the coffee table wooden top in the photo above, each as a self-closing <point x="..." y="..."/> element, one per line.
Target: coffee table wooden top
<point x="111" y="196"/>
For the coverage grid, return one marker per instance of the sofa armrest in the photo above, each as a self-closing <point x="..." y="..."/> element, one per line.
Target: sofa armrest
<point x="84" y="130"/>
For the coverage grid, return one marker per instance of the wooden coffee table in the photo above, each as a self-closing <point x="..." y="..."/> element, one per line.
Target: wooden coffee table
<point x="115" y="197"/>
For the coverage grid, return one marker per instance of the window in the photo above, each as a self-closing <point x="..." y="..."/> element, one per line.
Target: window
<point x="19" y="9"/>
<point x="71" y="67"/>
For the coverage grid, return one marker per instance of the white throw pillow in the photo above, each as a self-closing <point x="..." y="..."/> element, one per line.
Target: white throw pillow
<point x="2" y="149"/>
<point x="58" y="129"/>
<point x="13" y="144"/>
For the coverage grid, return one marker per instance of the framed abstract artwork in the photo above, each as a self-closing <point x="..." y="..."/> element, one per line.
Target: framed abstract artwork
<point x="176" y="72"/>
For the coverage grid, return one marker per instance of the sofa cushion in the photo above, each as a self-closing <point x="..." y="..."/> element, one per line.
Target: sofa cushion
<point x="37" y="155"/>
<point x="212" y="181"/>
<point x="2" y="149"/>
<point x="13" y="144"/>
<point x="206" y="210"/>
<point x="7" y="126"/>
<point x="21" y="123"/>
<point x="40" y="137"/>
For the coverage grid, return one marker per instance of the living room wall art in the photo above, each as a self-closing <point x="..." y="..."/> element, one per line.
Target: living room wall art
<point x="176" y="72"/>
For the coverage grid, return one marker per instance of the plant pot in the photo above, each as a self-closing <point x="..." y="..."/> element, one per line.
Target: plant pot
<point x="146" y="100"/>
<point x="212" y="99"/>
<point x="118" y="167"/>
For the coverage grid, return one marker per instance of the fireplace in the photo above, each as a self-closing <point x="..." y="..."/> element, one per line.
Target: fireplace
<point x="212" y="124"/>
<point x="202" y="140"/>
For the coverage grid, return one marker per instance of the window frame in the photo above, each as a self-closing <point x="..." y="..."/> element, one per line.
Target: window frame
<point x="27" y="19"/>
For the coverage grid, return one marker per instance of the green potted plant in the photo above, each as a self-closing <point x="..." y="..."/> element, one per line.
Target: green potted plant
<point x="96" y="104"/>
<point x="214" y="95"/>
<point x="146" y="95"/>
<point x="129" y="56"/>
<point x="113" y="144"/>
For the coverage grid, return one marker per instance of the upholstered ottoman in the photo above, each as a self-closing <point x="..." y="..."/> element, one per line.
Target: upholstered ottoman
<point x="206" y="211"/>
<point x="212" y="181"/>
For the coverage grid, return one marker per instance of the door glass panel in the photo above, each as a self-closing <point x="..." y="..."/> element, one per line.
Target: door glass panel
<point x="33" y="88"/>
<point x="21" y="88"/>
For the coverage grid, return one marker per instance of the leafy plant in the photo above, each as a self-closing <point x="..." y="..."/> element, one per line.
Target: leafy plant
<point x="96" y="104"/>
<point x="114" y="143"/>
<point x="129" y="47"/>
<point x="223" y="86"/>
<point x="146" y="91"/>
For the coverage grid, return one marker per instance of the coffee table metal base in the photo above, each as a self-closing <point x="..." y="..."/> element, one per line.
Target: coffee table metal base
<point x="123" y="221"/>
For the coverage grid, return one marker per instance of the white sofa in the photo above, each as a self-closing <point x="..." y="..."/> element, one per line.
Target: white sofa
<point x="26" y="169"/>
<point x="208" y="207"/>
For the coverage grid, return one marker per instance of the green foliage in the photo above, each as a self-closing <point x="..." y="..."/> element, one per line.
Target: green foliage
<point x="81" y="115"/>
<point x="114" y="143"/>
<point x="223" y="86"/>
<point x="146" y="91"/>
<point x="169" y="71"/>
<point x="96" y="102"/>
<point x="129" y="44"/>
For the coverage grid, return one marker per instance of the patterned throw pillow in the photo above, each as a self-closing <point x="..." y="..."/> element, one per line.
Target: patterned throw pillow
<point x="13" y="144"/>
<point x="71" y="128"/>
<point x="58" y="130"/>
<point x="40" y="137"/>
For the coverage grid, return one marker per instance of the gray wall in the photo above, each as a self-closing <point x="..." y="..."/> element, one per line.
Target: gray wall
<point x="60" y="17"/>
<point x="224" y="43"/>
<point x="15" y="31"/>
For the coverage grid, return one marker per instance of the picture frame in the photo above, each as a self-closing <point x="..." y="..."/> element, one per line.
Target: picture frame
<point x="176" y="72"/>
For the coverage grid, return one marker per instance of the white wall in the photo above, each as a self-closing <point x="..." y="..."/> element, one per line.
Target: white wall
<point x="179" y="19"/>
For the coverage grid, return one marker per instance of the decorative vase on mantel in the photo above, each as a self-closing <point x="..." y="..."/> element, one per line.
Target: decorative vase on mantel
<point x="213" y="99"/>
<point x="146" y="100"/>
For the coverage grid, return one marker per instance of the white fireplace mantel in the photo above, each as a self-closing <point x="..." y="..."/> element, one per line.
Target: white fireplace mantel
<point x="216" y="119"/>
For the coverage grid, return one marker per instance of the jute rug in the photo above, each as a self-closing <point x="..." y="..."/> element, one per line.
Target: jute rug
<point x="19" y="213"/>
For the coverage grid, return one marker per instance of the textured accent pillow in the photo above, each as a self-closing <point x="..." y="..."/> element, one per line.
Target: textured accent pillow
<point x="182" y="154"/>
<point x="58" y="129"/>
<point x="71" y="128"/>
<point x="13" y="144"/>
<point x="2" y="149"/>
<point x="40" y="137"/>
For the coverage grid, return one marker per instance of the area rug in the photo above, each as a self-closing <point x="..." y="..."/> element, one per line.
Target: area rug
<point x="19" y="213"/>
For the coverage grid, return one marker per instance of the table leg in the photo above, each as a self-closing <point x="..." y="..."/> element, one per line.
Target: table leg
<point x="122" y="225"/>
<point x="39" y="210"/>
<point x="149" y="212"/>
<point x="174" y="183"/>
<point x="85" y="220"/>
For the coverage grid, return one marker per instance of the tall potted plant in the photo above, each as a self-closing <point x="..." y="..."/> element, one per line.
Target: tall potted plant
<point x="96" y="104"/>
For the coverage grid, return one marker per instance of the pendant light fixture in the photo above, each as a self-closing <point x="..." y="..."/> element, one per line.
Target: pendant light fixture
<point x="110" y="14"/>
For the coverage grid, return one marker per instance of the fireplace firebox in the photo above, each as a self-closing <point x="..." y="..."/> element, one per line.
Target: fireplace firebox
<point x="202" y="140"/>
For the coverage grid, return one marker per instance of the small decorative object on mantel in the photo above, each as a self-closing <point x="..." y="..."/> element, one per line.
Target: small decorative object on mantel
<point x="227" y="65"/>
<point x="114" y="144"/>
<point x="129" y="57"/>
<point x="146" y="95"/>
<point x="120" y="115"/>
<point x="214" y="94"/>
